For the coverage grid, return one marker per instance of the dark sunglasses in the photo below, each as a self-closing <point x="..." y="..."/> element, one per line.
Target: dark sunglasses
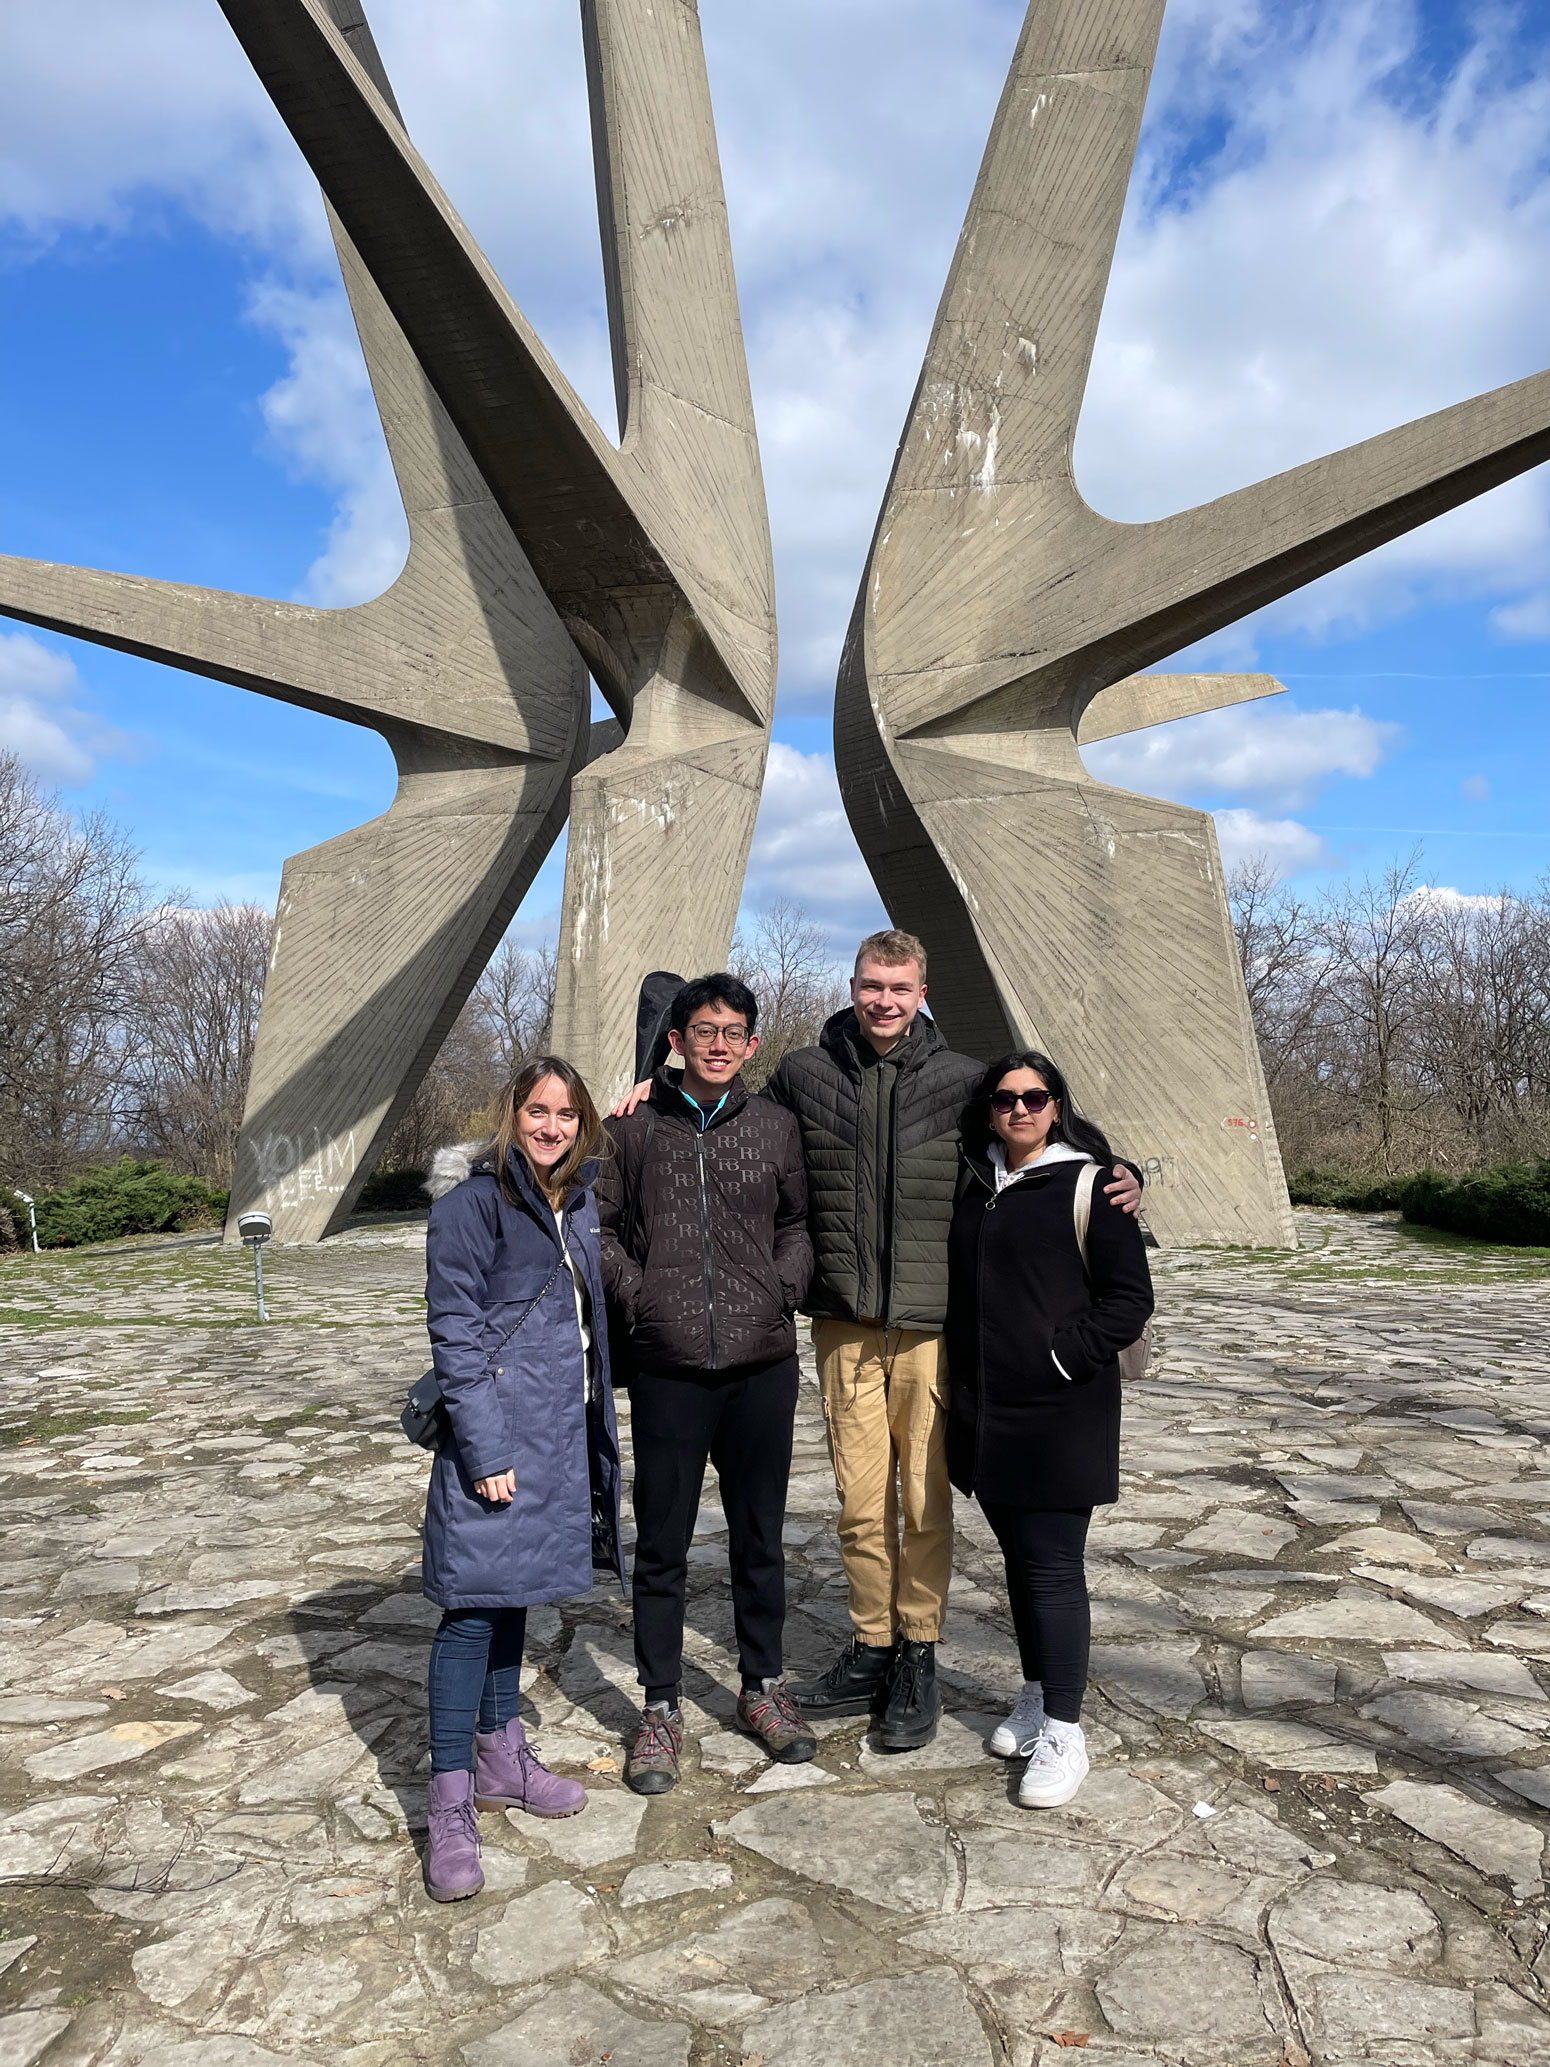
<point x="1005" y="1102"/>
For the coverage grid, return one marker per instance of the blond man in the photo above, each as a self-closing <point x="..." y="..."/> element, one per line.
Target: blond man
<point x="878" y="1102"/>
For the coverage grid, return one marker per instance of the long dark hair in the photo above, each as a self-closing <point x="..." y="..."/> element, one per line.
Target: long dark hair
<point x="590" y="1140"/>
<point x="1071" y="1128"/>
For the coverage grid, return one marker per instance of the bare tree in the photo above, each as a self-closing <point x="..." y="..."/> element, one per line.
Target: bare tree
<point x="514" y="999"/>
<point x="787" y="964"/>
<point x="191" y="1022"/>
<point x="1284" y="971"/>
<point x="71" y="908"/>
<point x="1482" y="1024"/>
<point x="1372" y="933"/>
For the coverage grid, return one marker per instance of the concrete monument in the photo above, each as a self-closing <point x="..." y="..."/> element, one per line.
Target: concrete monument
<point x="1001" y="622"/>
<point x="538" y="552"/>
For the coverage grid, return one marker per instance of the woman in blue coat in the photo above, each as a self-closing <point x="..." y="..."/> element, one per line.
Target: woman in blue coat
<point x="524" y="1494"/>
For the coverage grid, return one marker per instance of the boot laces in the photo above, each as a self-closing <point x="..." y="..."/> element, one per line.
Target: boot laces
<point x="780" y="1699"/>
<point x="843" y="1665"/>
<point x="656" y="1735"/>
<point x="463" y="1813"/>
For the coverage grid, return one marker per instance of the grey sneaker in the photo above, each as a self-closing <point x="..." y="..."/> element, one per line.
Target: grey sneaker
<point x="653" y="1762"/>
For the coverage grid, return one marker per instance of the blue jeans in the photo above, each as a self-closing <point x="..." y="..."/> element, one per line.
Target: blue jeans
<point x="475" y="1677"/>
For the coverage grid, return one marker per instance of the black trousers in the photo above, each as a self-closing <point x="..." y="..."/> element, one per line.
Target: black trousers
<point x="1044" y="1549"/>
<point x="742" y="1424"/>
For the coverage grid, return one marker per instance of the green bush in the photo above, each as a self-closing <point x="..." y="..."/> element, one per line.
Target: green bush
<point x="126" y="1198"/>
<point x="1338" y="1188"/>
<point x="392" y="1191"/>
<point x="13" y="1220"/>
<point x="1510" y="1204"/>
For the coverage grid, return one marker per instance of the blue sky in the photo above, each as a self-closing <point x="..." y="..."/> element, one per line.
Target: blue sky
<point x="1340" y="220"/>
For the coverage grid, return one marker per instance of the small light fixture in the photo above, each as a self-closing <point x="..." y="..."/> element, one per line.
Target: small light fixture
<point x="254" y="1230"/>
<point x="32" y="1214"/>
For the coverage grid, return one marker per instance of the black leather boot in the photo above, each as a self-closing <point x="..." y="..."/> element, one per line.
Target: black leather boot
<point x="854" y="1684"/>
<point x="914" y="1707"/>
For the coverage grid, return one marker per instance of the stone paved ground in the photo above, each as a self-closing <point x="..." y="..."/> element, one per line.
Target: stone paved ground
<point x="1314" y="1827"/>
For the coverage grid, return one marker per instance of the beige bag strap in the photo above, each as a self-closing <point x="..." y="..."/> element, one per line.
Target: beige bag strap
<point x="1082" y="1205"/>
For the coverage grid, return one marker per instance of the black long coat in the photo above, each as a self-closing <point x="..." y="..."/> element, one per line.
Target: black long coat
<point x="1033" y="1344"/>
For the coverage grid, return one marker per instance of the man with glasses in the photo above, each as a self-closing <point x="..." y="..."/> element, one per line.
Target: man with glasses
<point x="706" y="1256"/>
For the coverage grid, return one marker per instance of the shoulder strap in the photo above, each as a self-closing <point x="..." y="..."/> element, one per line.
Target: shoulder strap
<point x="1082" y="1205"/>
<point x="531" y="1307"/>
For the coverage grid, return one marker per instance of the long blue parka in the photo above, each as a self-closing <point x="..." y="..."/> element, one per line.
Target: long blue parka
<point x="526" y="1407"/>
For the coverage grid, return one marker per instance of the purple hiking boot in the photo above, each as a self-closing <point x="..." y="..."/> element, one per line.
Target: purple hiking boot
<point x="452" y="1870"/>
<point x="508" y="1775"/>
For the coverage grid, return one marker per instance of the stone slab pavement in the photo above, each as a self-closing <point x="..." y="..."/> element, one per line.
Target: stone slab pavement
<point x="1314" y="1830"/>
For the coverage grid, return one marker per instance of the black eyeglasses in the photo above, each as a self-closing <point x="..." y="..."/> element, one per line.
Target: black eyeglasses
<point x="704" y="1031"/>
<point x="1005" y="1102"/>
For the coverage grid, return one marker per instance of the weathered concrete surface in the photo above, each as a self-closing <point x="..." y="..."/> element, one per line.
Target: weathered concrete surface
<point x="1318" y="1841"/>
<point x="998" y="615"/>
<point x="655" y="552"/>
<point x="537" y="551"/>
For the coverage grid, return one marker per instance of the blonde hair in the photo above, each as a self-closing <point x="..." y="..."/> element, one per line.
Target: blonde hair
<point x="590" y="1140"/>
<point x="892" y="948"/>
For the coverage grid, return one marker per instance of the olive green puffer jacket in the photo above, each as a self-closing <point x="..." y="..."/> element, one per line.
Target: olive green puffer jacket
<point x="881" y="1148"/>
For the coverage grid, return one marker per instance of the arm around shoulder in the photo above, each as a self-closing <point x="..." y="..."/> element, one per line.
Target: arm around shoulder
<point x="615" y="1179"/>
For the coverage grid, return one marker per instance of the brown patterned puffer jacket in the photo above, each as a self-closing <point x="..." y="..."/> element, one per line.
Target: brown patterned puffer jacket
<point x="704" y="1229"/>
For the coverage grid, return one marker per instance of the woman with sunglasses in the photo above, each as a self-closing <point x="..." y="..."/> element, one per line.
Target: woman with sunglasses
<point x="1034" y="1332"/>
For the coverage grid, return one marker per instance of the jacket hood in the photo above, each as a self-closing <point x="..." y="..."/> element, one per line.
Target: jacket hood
<point x="1056" y="1152"/>
<point x="989" y="1164"/>
<point x="843" y="1031"/>
<point x="452" y="1166"/>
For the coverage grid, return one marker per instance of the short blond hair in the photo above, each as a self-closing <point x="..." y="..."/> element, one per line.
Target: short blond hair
<point x="892" y="948"/>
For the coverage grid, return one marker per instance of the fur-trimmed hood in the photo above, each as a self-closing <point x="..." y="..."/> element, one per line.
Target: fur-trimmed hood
<point x="450" y="1167"/>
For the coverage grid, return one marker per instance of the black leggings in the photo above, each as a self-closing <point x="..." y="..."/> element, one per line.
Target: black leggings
<point x="1047" y="1580"/>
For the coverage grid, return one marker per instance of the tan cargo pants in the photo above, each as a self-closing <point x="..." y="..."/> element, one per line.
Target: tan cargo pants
<point x="885" y="1406"/>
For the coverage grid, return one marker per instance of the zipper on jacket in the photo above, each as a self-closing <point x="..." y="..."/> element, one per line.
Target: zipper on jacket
<point x="880" y="1218"/>
<point x="979" y="1316"/>
<point x="892" y="1211"/>
<point x="708" y="1249"/>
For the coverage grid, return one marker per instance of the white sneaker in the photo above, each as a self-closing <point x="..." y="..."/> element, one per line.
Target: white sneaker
<point x="1016" y="1737"/>
<point x="1055" y="1771"/>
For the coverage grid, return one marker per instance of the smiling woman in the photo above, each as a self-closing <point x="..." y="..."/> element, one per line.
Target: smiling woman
<point x="524" y="1493"/>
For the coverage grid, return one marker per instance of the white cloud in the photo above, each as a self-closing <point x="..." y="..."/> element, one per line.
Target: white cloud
<point x="1288" y="847"/>
<point x="1476" y="788"/>
<point x="1275" y="752"/>
<point x="804" y="850"/>
<point x="53" y="737"/>
<point x="1361" y="241"/>
<point x="1443" y="896"/>
<point x="1527" y="619"/>
<point x="110" y="113"/>
<point x="323" y="420"/>
<point x="1363" y="247"/>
